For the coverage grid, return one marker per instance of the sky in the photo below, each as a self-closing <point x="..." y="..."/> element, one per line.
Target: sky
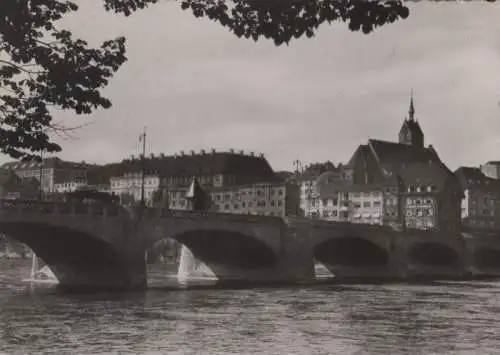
<point x="194" y="85"/>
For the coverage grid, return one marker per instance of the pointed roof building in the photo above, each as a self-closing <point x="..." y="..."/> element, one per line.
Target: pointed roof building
<point x="411" y="133"/>
<point x="380" y="161"/>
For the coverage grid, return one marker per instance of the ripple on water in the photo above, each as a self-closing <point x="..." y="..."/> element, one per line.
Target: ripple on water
<point x="439" y="318"/>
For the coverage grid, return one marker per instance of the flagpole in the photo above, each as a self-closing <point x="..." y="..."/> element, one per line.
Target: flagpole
<point x="143" y="167"/>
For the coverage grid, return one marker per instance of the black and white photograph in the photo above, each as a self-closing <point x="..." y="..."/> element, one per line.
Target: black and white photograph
<point x="266" y="177"/>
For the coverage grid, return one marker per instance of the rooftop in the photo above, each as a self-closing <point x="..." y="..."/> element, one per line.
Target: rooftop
<point x="471" y="176"/>
<point x="193" y="164"/>
<point x="48" y="163"/>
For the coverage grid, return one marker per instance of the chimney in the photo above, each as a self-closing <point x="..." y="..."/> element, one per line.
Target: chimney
<point x="132" y="158"/>
<point x="152" y="155"/>
<point x="162" y="155"/>
<point x="252" y="154"/>
<point x="262" y="155"/>
<point x="192" y="152"/>
<point x="231" y="151"/>
<point x="182" y="153"/>
<point x="203" y="152"/>
<point x="242" y="152"/>
<point x="213" y="151"/>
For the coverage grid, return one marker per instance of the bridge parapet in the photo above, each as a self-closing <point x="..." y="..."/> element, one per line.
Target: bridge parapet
<point x="215" y="216"/>
<point x="63" y="208"/>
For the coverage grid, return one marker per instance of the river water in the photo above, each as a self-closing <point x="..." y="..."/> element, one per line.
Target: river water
<point x="439" y="318"/>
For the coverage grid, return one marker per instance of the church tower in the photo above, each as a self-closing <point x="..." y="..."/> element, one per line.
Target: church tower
<point x="411" y="133"/>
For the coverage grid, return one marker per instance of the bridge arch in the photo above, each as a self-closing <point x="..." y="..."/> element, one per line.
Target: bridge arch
<point x="433" y="254"/>
<point x="77" y="258"/>
<point x="351" y="251"/>
<point x="225" y="249"/>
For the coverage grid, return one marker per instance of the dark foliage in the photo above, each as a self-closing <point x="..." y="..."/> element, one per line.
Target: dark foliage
<point x="43" y="67"/>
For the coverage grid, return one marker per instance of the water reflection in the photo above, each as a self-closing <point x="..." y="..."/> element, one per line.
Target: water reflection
<point x="440" y="318"/>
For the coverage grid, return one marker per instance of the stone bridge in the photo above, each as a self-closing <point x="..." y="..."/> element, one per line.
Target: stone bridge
<point x="83" y="244"/>
<point x="483" y="251"/>
<point x="104" y="245"/>
<point x="249" y="247"/>
<point x="373" y="251"/>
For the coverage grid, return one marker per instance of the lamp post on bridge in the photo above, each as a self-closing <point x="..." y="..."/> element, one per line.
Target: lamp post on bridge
<point x="40" y="197"/>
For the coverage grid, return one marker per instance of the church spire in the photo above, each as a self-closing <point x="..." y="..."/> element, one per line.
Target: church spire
<point x="411" y="111"/>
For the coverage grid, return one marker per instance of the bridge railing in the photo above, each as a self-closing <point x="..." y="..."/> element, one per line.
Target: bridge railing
<point x="229" y="217"/>
<point x="65" y="208"/>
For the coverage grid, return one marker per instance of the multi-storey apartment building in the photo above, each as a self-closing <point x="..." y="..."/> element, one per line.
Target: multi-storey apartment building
<point x="481" y="201"/>
<point x="271" y="198"/>
<point x="332" y="198"/>
<point x="212" y="169"/>
<point x="130" y="185"/>
<point x="309" y="180"/>
<point x="97" y="178"/>
<point x="367" y="204"/>
<point x="52" y="171"/>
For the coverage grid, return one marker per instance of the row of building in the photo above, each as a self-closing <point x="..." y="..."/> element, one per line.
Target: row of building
<point x="236" y="182"/>
<point x="403" y="184"/>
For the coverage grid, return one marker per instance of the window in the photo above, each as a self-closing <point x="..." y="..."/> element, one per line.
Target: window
<point x="376" y="204"/>
<point x="272" y="203"/>
<point x="357" y="205"/>
<point x="366" y="204"/>
<point x="325" y="214"/>
<point x="325" y="202"/>
<point x="226" y="206"/>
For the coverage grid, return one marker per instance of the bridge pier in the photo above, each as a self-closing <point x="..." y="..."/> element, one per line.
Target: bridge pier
<point x="296" y="257"/>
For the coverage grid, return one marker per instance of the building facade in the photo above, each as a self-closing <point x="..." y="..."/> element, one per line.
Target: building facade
<point x="167" y="174"/>
<point x="274" y="198"/>
<point x="129" y="187"/>
<point x="310" y="179"/>
<point x="367" y="204"/>
<point x="52" y="172"/>
<point x="480" y="207"/>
